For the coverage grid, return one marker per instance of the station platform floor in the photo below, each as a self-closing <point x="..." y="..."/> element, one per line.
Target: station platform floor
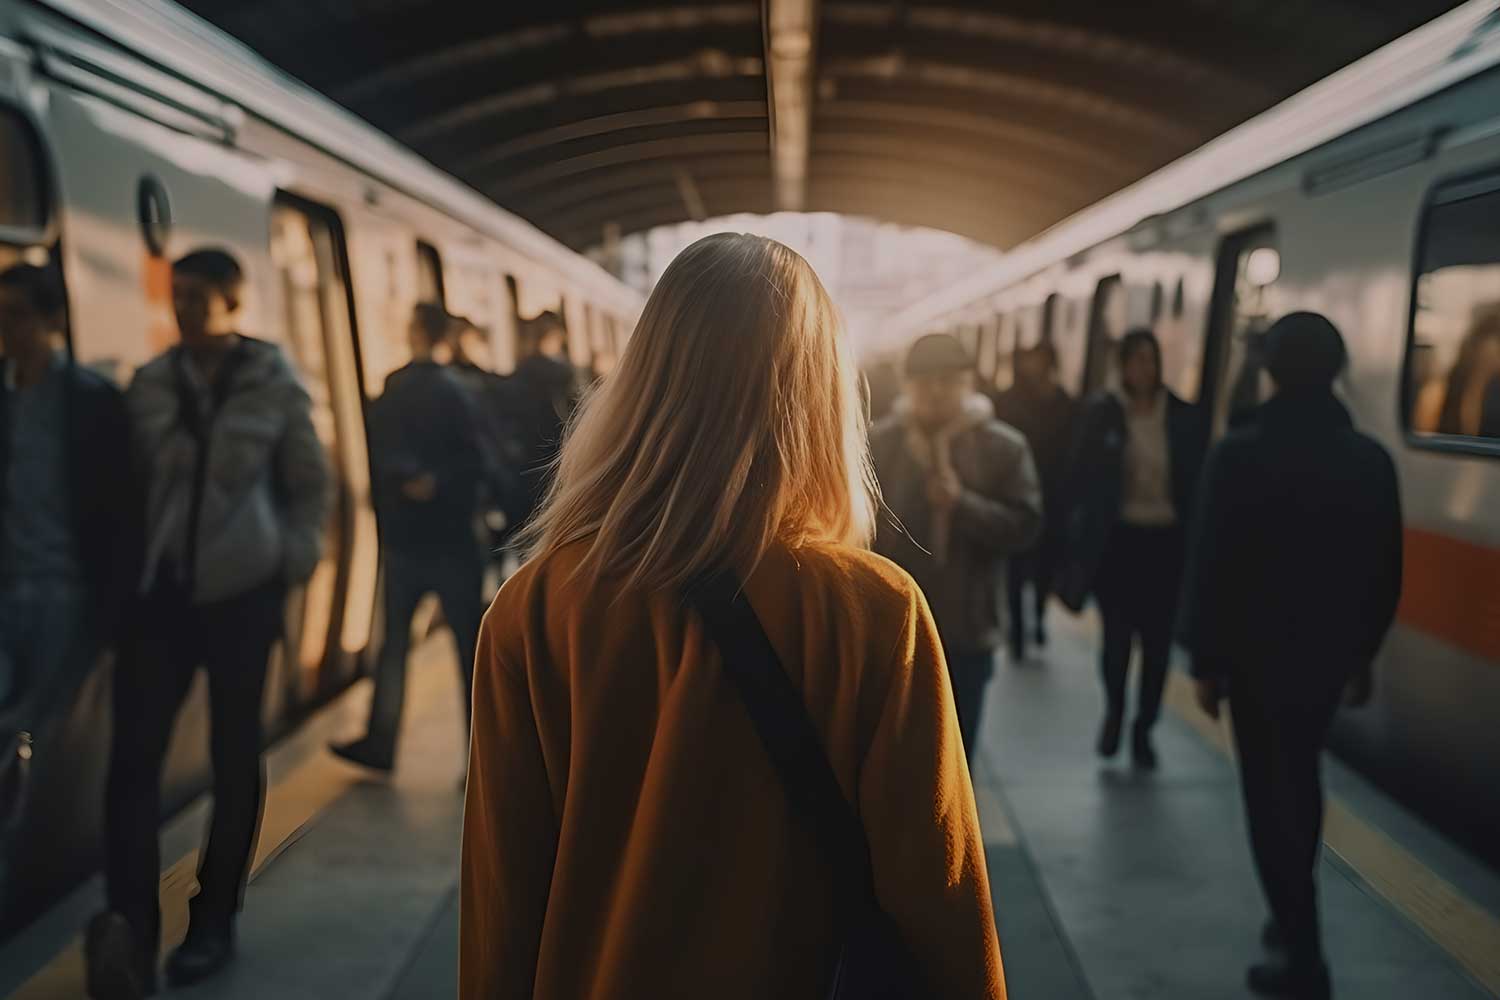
<point x="1107" y="884"/>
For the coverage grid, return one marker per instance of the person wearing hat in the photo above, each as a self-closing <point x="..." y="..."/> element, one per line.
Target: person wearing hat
<point x="429" y="471"/>
<point x="964" y="494"/>
<point x="1135" y="467"/>
<point x="1294" y="578"/>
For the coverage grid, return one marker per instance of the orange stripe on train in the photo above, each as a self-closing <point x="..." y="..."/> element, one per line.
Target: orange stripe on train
<point x="1451" y="589"/>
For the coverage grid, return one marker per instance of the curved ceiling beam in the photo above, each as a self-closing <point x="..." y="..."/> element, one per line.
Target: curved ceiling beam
<point x="998" y="130"/>
<point x="938" y="189"/>
<point x="703" y="64"/>
<point x="601" y="125"/>
<point x="1084" y="103"/>
<point x="487" y="51"/>
<point x="602" y="187"/>
<point x="1044" y="179"/>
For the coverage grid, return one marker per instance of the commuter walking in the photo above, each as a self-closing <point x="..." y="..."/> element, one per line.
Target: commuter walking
<point x="237" y="490"/>
<point x="1135" y="468"/>
<point x="627" y="831"/>
<point x="540" y="395"/>
<point x="964" y="494"/>
<point x="1041" y="409"/>
<point x="1294" y="580"/>
<point x="498" y="436"/>
<point x="65" y="531"/>
<point x="429" y="477"/>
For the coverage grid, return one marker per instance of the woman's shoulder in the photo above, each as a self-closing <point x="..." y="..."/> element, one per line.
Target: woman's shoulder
<point x="859" y="577"/>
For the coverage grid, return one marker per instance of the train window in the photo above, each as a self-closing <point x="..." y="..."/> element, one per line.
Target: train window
<point x="23" y="199"/>
<point x="1179" y="303"/>
<point x="1452" y="385"/>
<point x="1050" y="319"/>
<point x="1233" y="376"/>
<point x="1107" y="318"/>
<point x="307" y="248"/>
<point x="429" y="274"/>
<point x="1158" y="295"/>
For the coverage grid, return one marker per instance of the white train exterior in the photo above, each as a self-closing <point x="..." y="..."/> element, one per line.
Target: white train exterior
<point x="131" y="133"/>
<point x="1372" y="197"/>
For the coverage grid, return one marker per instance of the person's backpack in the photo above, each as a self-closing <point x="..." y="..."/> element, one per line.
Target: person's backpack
<point x="874" y="963"/>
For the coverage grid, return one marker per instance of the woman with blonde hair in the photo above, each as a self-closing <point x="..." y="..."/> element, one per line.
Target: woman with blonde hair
<point x="627" y="833"/>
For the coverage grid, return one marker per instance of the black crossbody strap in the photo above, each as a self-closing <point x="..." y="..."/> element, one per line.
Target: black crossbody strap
<point x="791" y="740"/>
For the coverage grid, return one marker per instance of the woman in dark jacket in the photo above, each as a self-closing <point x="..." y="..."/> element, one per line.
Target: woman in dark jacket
<point x="1136" y="463"/>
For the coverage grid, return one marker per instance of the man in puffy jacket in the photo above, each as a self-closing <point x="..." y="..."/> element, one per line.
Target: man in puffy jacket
<point x="965" y="495"/>
<point x="1293" y="581"/>
<point x="237" y="489"/>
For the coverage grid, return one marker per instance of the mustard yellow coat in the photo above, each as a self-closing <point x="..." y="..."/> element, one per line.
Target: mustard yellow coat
<point x="625" y="834"/>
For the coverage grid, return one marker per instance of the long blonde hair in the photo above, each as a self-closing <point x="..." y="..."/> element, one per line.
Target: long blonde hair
<point x="733" y="420"/>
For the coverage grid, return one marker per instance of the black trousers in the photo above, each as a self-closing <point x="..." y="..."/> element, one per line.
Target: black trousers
<point x="1280" y="745"/>
<point x="1137" y="588"/>
<point x="970" y="674"/>
<point x="455" y="572"/>
<point x="171" y="638"/>
<point x="1035" y="568"/>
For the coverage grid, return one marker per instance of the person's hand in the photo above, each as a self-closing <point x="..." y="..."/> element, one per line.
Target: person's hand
<point x="1209" y="693"/>
<point x="1358" y="691"/>
<point x="944" y="490"/>
<point x="420" y="488"/>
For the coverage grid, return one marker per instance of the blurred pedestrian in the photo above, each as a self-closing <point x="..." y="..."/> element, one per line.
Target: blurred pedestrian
<point x="237" y="492"/>
<point x="964" y="494"/>
<point x="1294" y="581"/>
<point x="429" y="465"/>
<point x="1135" y="468"/>
<point x="498" y="436"/>
<point x="66" y="527"/>
<point x="627" y="832"/>
<point x="1041" y="409"/>
<point x="540" y="396"/>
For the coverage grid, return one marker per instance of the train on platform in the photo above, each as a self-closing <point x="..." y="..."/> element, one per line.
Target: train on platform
<point x="1374" y="198"/>
<point x="130" y="133"/>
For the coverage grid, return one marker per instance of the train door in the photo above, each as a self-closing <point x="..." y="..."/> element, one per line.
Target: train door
<point x="1234" y="378"/>
<point x="332" y="626"/>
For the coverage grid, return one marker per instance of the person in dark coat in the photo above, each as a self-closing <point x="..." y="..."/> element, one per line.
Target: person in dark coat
<point x="69" y="542"/>
<point x="964" y="492"/>
<point x="1293" y="584"/>
<point x="429" y="477"/>
<point x="1135" y="468"/>
<point x="1041" y="409"/>
<point x="539" y="396"/>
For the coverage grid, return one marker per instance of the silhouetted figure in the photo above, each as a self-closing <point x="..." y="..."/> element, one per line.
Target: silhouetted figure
<point x="1041" y="409"/>
<point x="1294" y="581"/>
<point x="498" y="436"/>
<point x="428" y="459"/>
<point x="1135" y="468"/>
<point x="964" y="490"/>
<point x="540" y="396"/>
<point x="237" y="490"/>
<point x="66" y="524"/>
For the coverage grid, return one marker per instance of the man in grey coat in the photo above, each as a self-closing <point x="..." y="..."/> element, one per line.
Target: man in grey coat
<point x="964" y="494"/>
<point x="236" y="492"/>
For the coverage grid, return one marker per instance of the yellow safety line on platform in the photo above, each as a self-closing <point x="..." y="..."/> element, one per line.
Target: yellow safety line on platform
<point x="1466" y="931"/>
<point x="293" y="802"/>
<point x="994" y="824"/>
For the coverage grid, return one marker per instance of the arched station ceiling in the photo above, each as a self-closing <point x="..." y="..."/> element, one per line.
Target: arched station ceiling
<point x="993" y="120"/>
